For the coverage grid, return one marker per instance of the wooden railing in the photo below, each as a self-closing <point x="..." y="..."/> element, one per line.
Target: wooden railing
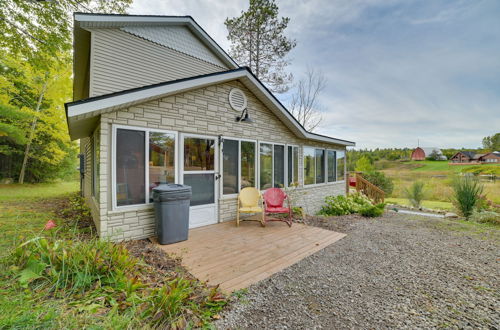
<point x="369" y="189"/>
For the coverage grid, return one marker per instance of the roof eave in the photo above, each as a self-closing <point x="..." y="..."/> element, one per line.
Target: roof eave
<point x="123" y="99"/>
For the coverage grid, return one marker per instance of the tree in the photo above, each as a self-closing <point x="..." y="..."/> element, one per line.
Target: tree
<point x="304" y="103"/>
<point x="492" y="143"/>
<point x="364" y="164"/>
<point x="434" y="155"/>
<point x="258" y="41"/>
<point x="35" y="82"/>
<point x="39" y="27"/>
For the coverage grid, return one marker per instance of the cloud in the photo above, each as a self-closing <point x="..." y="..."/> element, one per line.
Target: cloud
<point x="397" y="70"/>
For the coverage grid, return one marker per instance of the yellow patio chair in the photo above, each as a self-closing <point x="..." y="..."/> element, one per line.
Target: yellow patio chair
<point x="250" y="201"/>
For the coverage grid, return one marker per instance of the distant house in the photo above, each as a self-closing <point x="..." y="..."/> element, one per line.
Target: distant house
<point x="421" y="153"/>
<point x="471" y="157"/>
<point x="491" y="157"/>
<point x="463" y="157"/>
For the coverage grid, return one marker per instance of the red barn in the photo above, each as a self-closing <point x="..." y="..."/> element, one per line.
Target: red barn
<point x="421" y="153"/>
<point x="418" y="154"/>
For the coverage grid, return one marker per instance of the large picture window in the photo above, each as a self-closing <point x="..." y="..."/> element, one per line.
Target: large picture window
<point x="266" y="165"/>
<point x="238" y="165"/>
<point x="247" y="164"/>
<point x="331" y="165"/>
<point x="161" y="159"/>
<point x="340" y="165"/>
<point x="309" y="166"/>
<point x="279" y="165"/>
<point x="230" y="167"/>
<point x="321" y="165"/>
<point x="272" y="165"/>
<point x="130" y="167"/>
<point x="144" y="159"/>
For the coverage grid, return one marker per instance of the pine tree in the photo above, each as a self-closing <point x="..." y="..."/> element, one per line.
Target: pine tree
<point x="258" y="41"/>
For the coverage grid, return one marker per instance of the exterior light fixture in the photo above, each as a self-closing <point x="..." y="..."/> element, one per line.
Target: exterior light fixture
<point x="244" y="117"/>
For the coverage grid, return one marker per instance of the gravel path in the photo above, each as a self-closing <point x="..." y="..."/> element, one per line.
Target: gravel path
<point x="399" y="271"/>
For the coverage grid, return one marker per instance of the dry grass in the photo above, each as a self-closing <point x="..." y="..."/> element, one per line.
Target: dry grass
<point x="438" y="178"/>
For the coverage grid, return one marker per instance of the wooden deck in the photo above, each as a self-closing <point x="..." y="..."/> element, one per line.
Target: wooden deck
<point x="236" y="257"/>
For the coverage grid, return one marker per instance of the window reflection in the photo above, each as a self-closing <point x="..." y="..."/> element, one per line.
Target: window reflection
<point x="199" y="154"/>
<point x="161" y="159"/>
<point x="247" y="164"/>
<point x="130" y="167"/>
<point x="266" y="166"/>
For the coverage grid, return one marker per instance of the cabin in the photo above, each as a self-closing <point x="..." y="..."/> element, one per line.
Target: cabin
<point x="463" y="157"/>
<point x="490" y="158"/>
<point x="470" y="157"/>
<point x="422" y="153"/>
<point x="157" y="100"/>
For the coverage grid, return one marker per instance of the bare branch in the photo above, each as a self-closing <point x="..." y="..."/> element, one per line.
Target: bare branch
<point x="304" y="103"/>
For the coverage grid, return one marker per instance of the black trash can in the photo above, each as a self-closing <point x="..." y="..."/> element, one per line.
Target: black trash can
<point x="172" y="212"/>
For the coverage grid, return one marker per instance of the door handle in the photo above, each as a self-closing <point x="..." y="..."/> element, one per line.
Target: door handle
<point x="217" y="176"/>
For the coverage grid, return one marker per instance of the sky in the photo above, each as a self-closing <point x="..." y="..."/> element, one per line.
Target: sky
<point x="399" y="72"/>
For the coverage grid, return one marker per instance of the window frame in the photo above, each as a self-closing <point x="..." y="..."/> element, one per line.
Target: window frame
<point x="221" y="165"/>
<point x="272" y="164"/>
<point x="146" y="130"/>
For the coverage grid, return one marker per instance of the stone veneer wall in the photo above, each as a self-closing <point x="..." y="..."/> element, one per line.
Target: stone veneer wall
<point x="202" y="111"/>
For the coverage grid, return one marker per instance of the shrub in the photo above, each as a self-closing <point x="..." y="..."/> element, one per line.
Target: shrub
<point x="486" y="217"/>
<point x="467" y="191"/>
<point x="380" y="180"/>
<point x="415" y="193"/>
<point x="342" y="205"/>
<point x="372" y="211"/>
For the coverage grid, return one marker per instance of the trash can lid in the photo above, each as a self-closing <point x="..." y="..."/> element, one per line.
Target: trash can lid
<point x="171" y="188"/>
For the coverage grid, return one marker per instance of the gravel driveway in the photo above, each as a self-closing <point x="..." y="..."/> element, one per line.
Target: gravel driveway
<point x="399" y="271"/>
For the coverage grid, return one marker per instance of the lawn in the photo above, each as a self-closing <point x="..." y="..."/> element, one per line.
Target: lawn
<point x="434" y="205"/>
<point x="23" y="211"/>
<point x="438" y="177"/>
<point x="104" y="285"/>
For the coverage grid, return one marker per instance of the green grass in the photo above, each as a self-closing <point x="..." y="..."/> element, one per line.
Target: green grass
<point x="69" y="282"/>
<point x="438" y="178"/>
<point x="434" y="205"/>
<point x="23" y="211"/>
<point x="435" y="166"/>
<point x="13" y="192"/>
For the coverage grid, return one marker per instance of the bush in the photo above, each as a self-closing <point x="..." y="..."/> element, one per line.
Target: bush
<point x="380" y="180"/>
<point x="415" y="193"/>
<point x="486" y="217"/>
<point x="342" y="205"/>
<point x="467" y="192"/>
<point x="372" y="211"/>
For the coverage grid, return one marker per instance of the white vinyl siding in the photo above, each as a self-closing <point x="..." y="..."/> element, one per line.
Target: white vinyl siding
<point x="123" y="61"/>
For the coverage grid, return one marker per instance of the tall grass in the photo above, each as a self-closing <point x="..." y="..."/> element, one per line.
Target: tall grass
<point x="467" y="192"/>
<point x="416" y="193"/>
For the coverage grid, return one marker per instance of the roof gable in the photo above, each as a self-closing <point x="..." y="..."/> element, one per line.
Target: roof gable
<point x="83" y="111"/>
<point x="145" y="25"/>
<point x="179" y="38"/>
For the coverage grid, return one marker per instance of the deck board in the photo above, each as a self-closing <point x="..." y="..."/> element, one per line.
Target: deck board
<point x="237" y="257"/>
